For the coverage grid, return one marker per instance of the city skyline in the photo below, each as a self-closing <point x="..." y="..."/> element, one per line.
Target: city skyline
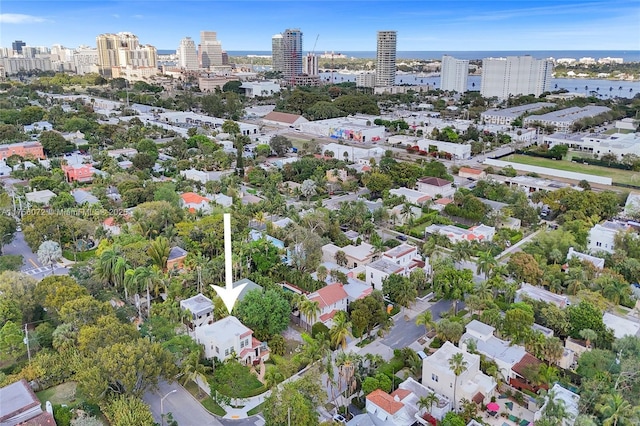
<point x="546" y="25"/>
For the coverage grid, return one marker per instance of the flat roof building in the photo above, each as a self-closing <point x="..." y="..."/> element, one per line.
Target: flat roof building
<point x="454" y="74"/>
<point x="563" y="119"/>
<point x="506" y="116"/>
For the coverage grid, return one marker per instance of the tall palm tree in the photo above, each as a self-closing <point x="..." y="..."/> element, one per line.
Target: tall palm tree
<point x="485" y="263"/>
<point x="427" y="402"/>
<point x="426" y="318"/>
<point x="406" y="212"/>
<point x="193" y="369"/>
<point x="322" y="273"/>
<point x="341" y="330"/>
<point x="106" y="263"/>
<point x="461" y="251"/>
<point x="310" y="309"/>
<point x="616" y="291"/>
<point x="615" y="411"/>
<point x="457" y="365"/>
<point x="119" y="269"/>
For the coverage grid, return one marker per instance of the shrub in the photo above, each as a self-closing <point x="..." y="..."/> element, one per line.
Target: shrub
<point x="318" y="328"/>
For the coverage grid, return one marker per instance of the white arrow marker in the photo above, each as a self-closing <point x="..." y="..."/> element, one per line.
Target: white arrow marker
<point x="229" y="295"/>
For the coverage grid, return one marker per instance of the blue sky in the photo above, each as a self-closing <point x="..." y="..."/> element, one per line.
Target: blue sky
<point x="448" y="25"/>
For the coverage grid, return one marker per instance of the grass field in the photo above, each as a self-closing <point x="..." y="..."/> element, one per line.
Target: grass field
<point x="204" y="399"/>
<point x="61" y="394"/>
<point x="618" y="176"/>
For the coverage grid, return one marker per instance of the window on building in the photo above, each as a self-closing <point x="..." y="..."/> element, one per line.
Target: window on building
<point x="246" y="342"/>
<point x="241" y="343"/>
<point x="217" y="350"/>
<point x="434" y="377"/>
<point x="598" y="244"/>
<point x="226" y="352"/>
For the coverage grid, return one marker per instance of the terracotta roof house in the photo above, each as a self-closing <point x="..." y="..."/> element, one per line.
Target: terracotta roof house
<point x="469" y="173"/>
<point x="195" y="202"/>
<point x="331" y="299"/>
<point x="79" y="173"/>
<point x="522" y="369"/>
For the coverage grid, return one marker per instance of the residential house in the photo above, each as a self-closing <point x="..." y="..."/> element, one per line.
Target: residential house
<point x="471" y="384"/>
<point x="78" y="172"/>
<point x="279" y="244"/>
<point x="124" y="152"/>
<point x="435" y="187"/>
<point x="602" y="236"/>
<point x="597" y="262"/>
<point x="4" y="169"/>
<point x="194" y="202"/>
<point x="568" y="399"/>
<point x="176" y="258"/>
<point x="401" y="407"/>
<point x="38" y="126"/>
<point x="355" y="255"/>
<point x="249" y="286"/>
<point x="19" y="405"/>
<point x="469" y="173"/>
<point x="281" y="223"/>
<point x="521" y="370"/>
<point x="528" y="291"/>
<point x="222" y="200"/>
<point x="201" y="309"/>
<point x="40" y="197"/>
<point x="228" y="338"/>
<point x="110" y="225"/>
<point x="399" y="216"/>
<point x="331" y="299"/>
<point x="412" y="196"/>
<point x="84" y="197"/>
<point x="202" y="176"/>
<point x="399" y="260"/>
<point x="475" y="233"/>
<point x="501" y="351"/>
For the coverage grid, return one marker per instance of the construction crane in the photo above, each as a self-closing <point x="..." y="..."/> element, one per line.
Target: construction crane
<point x="313" y="51"/>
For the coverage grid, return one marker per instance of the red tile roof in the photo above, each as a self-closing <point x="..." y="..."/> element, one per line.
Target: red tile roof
<point x="329" y="295"/>
<point x="470" y="171"/>
<point x="326" y="317"/>
<point x="443" y="201"/>
<point x="43" y="419"/>
<point x="109" y="221"/>
<point x="193" y="198"/>
<point x="521" y="366"/>
<point x="435" y="181"/>
<point x="282" y="117"/>
<point x="478" y="398"/>
<point x="385" y="401"/>
<point x="400" y="393"/>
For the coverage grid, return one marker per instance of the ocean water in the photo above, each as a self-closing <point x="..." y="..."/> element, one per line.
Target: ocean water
<point x="604" y="89"/>
<point x="626" y="55"/>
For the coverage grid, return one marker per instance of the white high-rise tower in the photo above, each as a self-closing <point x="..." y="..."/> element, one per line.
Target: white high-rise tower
<point x="386" y="59"/>
<point x="515" y="75"/>
<point x="454" y="74"/>
<point x="210" y="49"/>
<point x="188" y="57"/>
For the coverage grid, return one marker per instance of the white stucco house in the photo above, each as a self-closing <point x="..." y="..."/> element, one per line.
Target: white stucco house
<point x="602" y="236"/>
<point x="228" y="337"/>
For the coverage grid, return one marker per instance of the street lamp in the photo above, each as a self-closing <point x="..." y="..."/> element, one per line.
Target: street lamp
<point x="162" y="406"/>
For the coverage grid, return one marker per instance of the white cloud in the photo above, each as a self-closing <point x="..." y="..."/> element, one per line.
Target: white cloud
<point x="18" y="18"/>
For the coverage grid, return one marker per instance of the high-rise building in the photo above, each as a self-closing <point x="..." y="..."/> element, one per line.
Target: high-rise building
<point x="17" y="46"/>
<point x="277" y="53"/>
<point x="210" y="49"/>
<point x="386" y="59"/>
<point x="187" y="55"/>
<point x="291" y="54"/>
<point x="454" y="74"/>
<point x="310" y="64"/>
<point x="515" y="75"/>
<point x="123" y="50"/>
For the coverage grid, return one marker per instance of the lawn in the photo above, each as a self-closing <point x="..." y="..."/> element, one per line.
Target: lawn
<point x="618" y="176"/>
<point x="255" y="410"/>
<point x="61" y="394"/>
<point x="204" y="399"/>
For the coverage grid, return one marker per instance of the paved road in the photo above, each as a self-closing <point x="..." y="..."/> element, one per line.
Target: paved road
<point x="30" y="266"/>
<point x="403" y="333"/>
<point x="187" y="411"/>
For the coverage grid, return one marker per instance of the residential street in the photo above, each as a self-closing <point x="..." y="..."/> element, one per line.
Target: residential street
<point x="31" y="266"/>
<point x="187" y="411"/>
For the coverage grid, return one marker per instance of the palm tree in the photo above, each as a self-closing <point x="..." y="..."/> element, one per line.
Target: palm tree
<point x="457" y="365"/>
<point x="159" y="252"/>
<point x="272" y="377"/>
<point x="427" y="402"/>
<point x="341" y="258"/>
<point x="193" y="369"/>
<point x="346" y="362"/>
<point x="119" y="269"/>
<point x="310" y="309"/>
<point x="461" y="251"/>
<point x="485" y="263"/>
<point x="616" y="291"/>
<point x="588" y="335"/>
<point x="406" y="212"/>
<point x="616" y="410"/>
<point x="553" y="349"/>
<point x="341" y="330"/>
<point x="426" y="319"/>
<point x="106" y="263"/>
<point x="322" y="273"/>
<point x="546" y="375"/>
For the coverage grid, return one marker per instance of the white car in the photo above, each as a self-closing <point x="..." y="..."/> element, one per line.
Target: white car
<point x="340" y="419"/>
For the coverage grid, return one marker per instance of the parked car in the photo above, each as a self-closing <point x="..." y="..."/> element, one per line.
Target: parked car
<point x="340" y="419"/>
<point x="402" y="237"/>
